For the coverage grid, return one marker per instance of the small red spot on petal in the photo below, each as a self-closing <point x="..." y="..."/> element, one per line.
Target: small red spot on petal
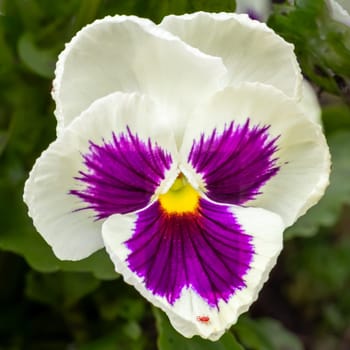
<point x="203" y="319"/>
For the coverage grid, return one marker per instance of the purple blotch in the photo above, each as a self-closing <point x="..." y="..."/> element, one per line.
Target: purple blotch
<point x="236" y="163"/>
<point x="207" y="251"/>
<point x="122" y="174"/>
<point x="253" y="14"/>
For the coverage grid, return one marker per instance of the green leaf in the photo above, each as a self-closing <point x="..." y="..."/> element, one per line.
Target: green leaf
<point x="86" y="14"/>
<point x="321" y="266"/>
<point x="6" y="59"/>
<point x="265" y="334"/>
<point x="132" y="330"/>
<point x="118" y="339"/>
<point x="322" y="46"/>
<point x="62" y="289"/>
<point x="336" y="117"/>
<point x="280" y="337"/>
<point x="170" y="339"/>
<point x="251" y="336"/>
<point x="107" y="342"/>
<point x="129" y="309"/>
<point x="327" y="211"/>
<point x="156" y="10"/>
<point x="99" y="264"/>
<point x="3" y="140"/>
<point x="40" y="61"/>
<point x="213" y="5"/>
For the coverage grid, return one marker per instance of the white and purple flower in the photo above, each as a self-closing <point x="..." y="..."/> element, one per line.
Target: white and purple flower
<point x="183" y="151"/>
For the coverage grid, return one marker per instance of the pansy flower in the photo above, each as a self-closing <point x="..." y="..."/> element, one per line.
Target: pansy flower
<point x="182" y="150"/>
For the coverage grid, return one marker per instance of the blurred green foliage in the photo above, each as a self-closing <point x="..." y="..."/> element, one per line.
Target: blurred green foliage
<point x="321" y="44"/>
<point x="169" y="339"/>
<point x="49" y="304"/>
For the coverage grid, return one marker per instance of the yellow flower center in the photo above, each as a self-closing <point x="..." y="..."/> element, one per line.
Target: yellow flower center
<point x="181" y="197"/>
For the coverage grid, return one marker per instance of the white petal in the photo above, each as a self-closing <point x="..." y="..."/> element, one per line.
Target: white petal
<point x="340" y="10"/>
<point x="309" y="103"/>
<point x="266" y="230"/>
<point x="130" y="54"/>
<point x="251" y="51"/>
<point x="74" y="234"/>
<point x="345" y="4"/>
<point x="303" y="155"/>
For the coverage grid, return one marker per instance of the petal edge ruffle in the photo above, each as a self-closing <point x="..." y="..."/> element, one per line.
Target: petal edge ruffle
<point x="302" y="153"/>
<point x="191" y="309"/>
<point x="66" y="222"/>
<point x="131" y="54"/>
<point x="255" y="53"/>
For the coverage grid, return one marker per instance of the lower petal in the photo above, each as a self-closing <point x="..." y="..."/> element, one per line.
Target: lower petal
<point x="202" y="268"/>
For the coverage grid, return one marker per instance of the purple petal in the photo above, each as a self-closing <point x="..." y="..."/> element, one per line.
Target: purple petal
<point x="206" y="250"/>
<point x="236" y="163"/>
<point x="122" y="174"/>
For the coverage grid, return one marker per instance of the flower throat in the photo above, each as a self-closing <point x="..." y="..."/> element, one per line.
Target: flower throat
<point x="181" y="198"/>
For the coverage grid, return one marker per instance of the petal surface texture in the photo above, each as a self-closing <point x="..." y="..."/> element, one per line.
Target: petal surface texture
<point x="202" y="268"/>
<point x="122" y="175"/>
<point x="309" y="103"/>
<point x="235" y="163"/>
<point x="130" y="54"/>
<point x="249" y="49"/>
<point x="289" y="142"/>
<point x="109" y="160"/>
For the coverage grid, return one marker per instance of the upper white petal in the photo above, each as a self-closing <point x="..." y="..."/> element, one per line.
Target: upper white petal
<point x="73" y="234"/>
<point x="303" y="154"/>
<point x="131" y="54"/>
<point x="251" y="51"/>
